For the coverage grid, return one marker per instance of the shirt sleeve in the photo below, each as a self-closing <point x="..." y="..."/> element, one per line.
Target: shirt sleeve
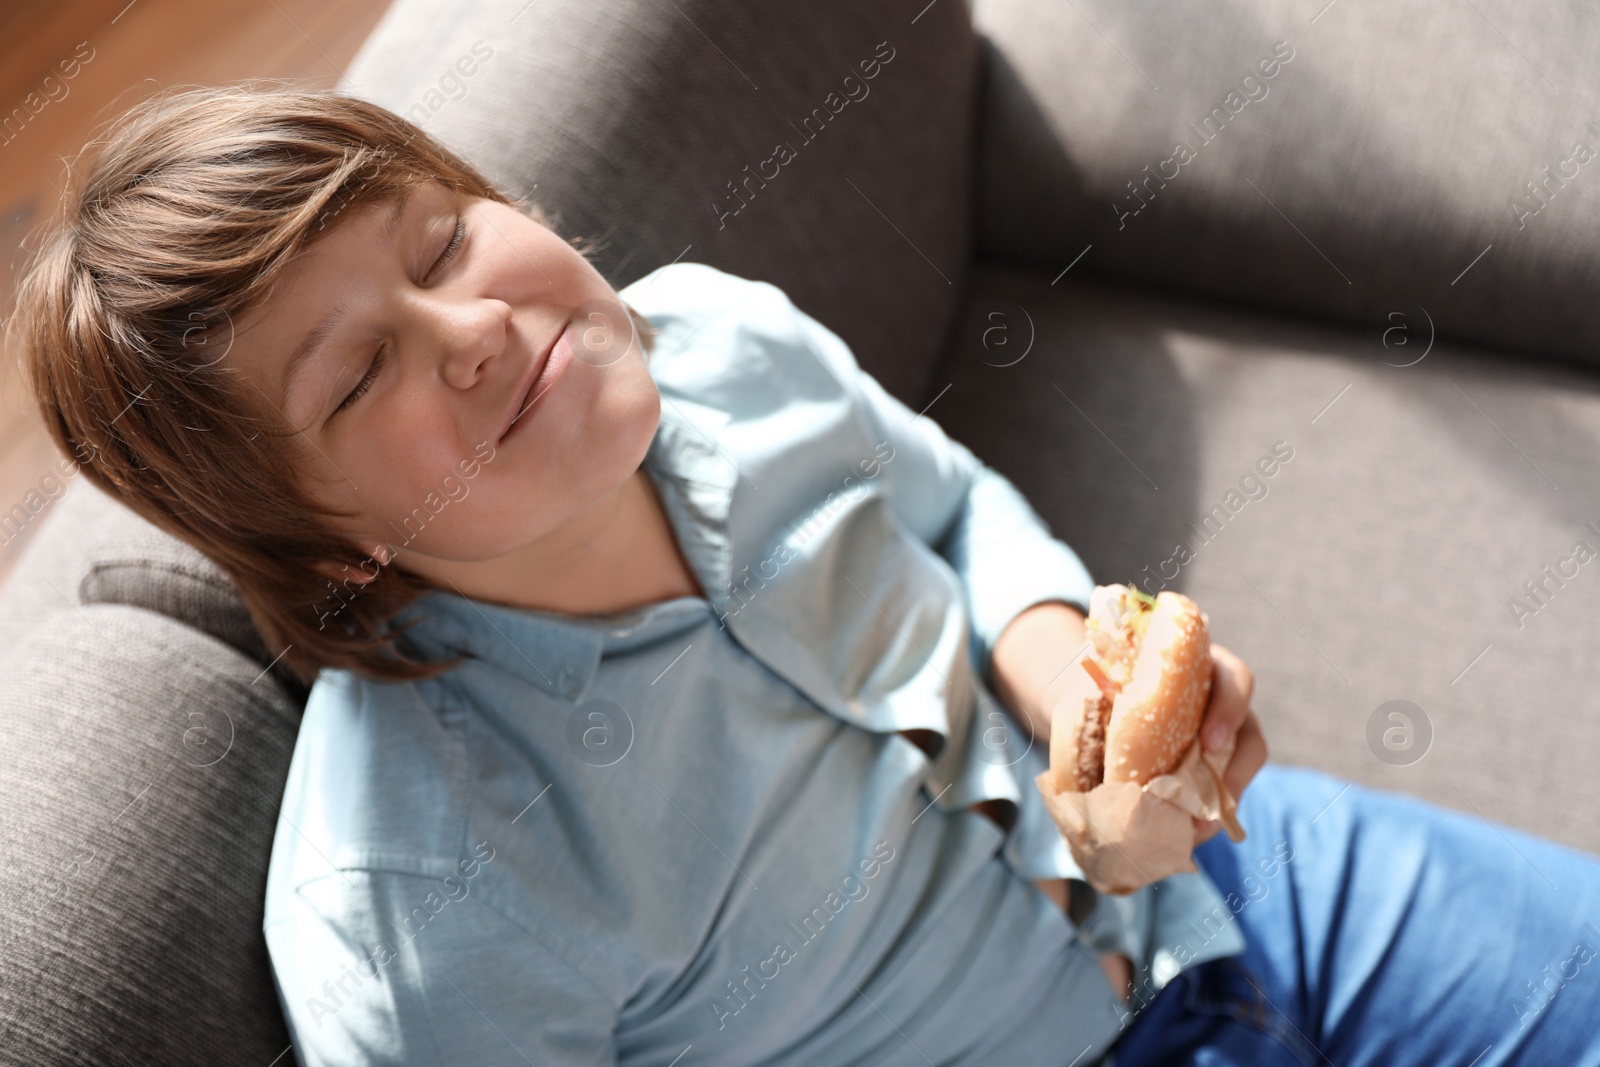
<point x="377" y="967"/>
<point x="1002" y="551"/>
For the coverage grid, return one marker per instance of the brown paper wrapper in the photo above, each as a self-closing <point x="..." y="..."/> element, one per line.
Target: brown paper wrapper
<point x="1126" y="836"/>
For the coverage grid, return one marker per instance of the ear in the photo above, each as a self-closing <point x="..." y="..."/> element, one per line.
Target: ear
<point x="340" y="572"/>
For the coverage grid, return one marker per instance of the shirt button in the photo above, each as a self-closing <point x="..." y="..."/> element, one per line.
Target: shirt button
<point x="567" y="682"/>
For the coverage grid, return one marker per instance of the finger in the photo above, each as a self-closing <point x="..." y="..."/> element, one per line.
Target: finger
<point x="1249" y="753"/>
<point x="1241" y="671"/>
<point x="1232" y="684"/>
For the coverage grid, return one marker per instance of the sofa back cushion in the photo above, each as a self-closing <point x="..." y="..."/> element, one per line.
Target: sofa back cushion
<point x="822" y="147"/>
<point x="1393" y="165"/>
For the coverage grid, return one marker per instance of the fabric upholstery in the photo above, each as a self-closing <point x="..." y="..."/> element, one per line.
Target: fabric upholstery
<point x="90" y="549"/>
<point x="634" y="122"/>
<point x="1372" y="169"/>
<point x="1376" y="569"/>
<point x="144" y="763"/>
<point x="1382" y="558"/>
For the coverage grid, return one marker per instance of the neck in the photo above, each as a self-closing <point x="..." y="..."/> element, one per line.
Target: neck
<point x="619" y="554"/>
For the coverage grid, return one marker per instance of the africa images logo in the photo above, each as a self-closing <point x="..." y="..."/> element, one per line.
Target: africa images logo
<point x="811" y="926"/>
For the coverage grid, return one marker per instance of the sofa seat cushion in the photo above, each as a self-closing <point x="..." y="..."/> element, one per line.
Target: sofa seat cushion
<point x="1399" y="555"/>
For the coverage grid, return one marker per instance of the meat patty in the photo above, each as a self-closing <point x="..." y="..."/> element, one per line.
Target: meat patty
<point x="1092" y="744"/>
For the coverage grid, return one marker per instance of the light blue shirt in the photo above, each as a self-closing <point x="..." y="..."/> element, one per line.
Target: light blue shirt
<point x="694" y="829"/>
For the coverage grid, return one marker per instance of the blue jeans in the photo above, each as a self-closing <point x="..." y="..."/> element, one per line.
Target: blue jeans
<point x="1394" y="933"/>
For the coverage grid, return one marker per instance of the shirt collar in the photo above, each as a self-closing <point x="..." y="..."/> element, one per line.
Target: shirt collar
<point x="696" y="480"/>
<point x="560" y="653"/>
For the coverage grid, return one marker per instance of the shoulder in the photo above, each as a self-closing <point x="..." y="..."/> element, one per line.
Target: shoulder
<point x="376" y="781"/>
<point x="726" y="339"/>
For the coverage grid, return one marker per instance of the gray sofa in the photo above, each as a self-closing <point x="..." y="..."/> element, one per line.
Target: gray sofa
<point x="1371" y="272"/>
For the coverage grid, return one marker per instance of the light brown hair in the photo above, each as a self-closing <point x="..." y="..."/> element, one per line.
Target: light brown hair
<point x="195" y="204"/>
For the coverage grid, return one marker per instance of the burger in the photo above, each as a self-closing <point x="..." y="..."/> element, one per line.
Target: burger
<point x="1149" y="659"/>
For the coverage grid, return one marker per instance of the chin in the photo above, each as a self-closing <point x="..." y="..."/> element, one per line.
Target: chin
<point x="646" y="419"/>
<point x="630" y="413"/>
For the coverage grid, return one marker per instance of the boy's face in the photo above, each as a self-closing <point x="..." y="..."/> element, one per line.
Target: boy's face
<point x="416" y="442"/>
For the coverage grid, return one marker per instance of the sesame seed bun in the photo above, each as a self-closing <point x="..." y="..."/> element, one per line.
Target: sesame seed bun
<point x="1153" y="666"/>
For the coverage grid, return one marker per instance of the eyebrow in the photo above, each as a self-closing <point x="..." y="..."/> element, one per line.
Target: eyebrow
<point x="313" y="342"/>
<point x="397" y="211"/>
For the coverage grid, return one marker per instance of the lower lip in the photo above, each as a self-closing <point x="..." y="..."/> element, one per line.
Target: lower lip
<point x="549" y="374"/>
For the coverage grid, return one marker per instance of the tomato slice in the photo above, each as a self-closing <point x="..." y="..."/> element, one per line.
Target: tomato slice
<point x="1107" y="686"/>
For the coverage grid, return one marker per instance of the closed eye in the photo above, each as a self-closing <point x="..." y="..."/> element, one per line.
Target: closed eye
<point x="366" y="381"/>
<point x="450" y="249"/>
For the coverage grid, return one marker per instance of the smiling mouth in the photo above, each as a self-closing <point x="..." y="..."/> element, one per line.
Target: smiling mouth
<point x="531" y="395"/>
<point x="524" y="404"/>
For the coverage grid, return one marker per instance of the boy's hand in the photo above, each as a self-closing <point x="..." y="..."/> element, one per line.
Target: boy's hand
<point x="1228" y="712"/>
<point x="1031" y="678"/>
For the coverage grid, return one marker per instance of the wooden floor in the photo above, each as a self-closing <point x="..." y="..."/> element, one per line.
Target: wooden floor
<point x="123" y="51"/>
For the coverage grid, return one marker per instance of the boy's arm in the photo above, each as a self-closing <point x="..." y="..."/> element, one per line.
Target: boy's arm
<point x="1030" y="663"/>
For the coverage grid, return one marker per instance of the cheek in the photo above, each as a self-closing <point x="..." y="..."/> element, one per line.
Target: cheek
<point x="409" y="478"/>
<point x="400" y="482"/>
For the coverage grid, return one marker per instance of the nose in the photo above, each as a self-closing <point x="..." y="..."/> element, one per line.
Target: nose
<point x="469" y="333"/>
